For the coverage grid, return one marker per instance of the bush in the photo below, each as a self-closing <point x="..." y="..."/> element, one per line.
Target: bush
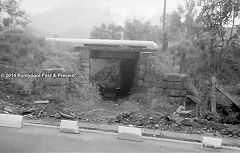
<point x="21" y="52"/>
<point x="79" y="89"/>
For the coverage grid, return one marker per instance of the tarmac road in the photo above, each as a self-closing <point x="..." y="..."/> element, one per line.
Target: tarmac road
<point x="35" y="139"/>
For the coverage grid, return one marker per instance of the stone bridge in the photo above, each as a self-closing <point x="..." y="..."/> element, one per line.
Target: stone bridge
<point x="132" y="57"/>
<point x="134" y="67"/>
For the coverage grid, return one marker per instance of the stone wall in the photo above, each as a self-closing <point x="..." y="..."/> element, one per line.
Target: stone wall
<point x="175" y="87"/>
<point x="51" y="85"/>
<point x="171" y="85"/>
<point x="83" y="61"/>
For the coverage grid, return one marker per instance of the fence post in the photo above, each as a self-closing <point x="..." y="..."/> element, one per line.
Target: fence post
<point x="213" y="96"/>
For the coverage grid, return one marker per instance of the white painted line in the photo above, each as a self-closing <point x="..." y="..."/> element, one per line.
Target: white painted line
<point x="8" y="120"/>
<point x="41" y="125"/>
<point x="130" y="133"/>
<point x="69" y="126"/>
<point x="212" y="142"/>
<point x="172" y="140"/>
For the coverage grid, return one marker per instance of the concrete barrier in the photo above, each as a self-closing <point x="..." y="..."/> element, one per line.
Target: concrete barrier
<point x="8" y="120"/>
<point x="69" y="126"/>
<point x="130" y="133"/>
<point x="211" y="142"/>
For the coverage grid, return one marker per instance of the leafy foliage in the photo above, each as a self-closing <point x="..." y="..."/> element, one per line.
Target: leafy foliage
<point x="110" y="31"/>
<point x="132" y="30"/>
<point x="137" y="30"/>
<point x="11" y="14"/>
<point x="60" y="55"/>
<point x="207" y="43"/>
<point x="20" y="51"/>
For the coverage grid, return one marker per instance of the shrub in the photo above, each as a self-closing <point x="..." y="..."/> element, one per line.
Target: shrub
<point x="21" y="52"/>
<point x="79" y="88"/>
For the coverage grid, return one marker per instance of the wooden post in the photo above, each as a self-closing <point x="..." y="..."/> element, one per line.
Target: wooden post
<point x="213" y="96"/>
<point x="164" y="44"/>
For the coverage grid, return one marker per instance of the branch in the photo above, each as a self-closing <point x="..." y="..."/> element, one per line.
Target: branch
<point x="233" y="23"/>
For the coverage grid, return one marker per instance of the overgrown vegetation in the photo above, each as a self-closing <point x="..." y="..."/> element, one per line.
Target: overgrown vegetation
<point x="12" y="15"/>
<point x="21" y="52"/>
<point x="202" y="43"/>
<point x="61" y="55"/>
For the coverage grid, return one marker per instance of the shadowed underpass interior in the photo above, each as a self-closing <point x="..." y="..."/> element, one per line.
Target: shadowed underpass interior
<point x="127" y="76"/>
<point x="113" y="72"/>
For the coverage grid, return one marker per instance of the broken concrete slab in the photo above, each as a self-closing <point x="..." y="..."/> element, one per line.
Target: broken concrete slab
<point x="41" y="102"/>
<point x="8" y="109"/>
<point x="14" y="121"/>
<point x="69" y="126"/>
<point x="211" y="142"/>
<point x="66" y="116"/>
<point x="130" y="133"/>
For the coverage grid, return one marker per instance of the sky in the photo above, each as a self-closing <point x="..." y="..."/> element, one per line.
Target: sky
<point x="143" y="8"/>
<point x="66" y="17"/>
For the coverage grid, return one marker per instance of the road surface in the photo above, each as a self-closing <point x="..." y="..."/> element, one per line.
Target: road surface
<point x="35" y="139"/>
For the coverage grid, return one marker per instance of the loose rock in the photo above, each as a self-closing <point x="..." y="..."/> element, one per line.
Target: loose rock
<point x="57" y="116"/>
<point x="66" y="116"/>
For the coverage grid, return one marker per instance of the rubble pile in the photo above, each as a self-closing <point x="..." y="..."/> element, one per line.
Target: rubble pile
<point x="175" y="123"/>
<point x="14" y="101"/>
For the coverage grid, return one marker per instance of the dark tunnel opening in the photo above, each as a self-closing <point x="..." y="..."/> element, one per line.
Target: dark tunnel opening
<point x="117" y="79"/>
<point x="127" y="76"/>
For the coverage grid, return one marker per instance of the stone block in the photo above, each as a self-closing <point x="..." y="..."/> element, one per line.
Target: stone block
<point x="54" y="91"/>
<point x="173" y="85"/>
<point x="55" y="81"/>
<point x="130" y="133"/>
<point x="176" y="77"/>
<point x="175" y="93"/>
<point x="176" y="100"/>
<point x="14" y="121"/>
<point x="69" y="126"/>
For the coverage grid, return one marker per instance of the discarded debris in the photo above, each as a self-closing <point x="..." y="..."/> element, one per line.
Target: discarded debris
<point x="41" y="102"/>
<point x="42" y="111"/>
<point x="180" y="109"/>
<point x="26" y="111"/>
<point x="57" y="116"/>
<point x="8" y="109"/>
<point x="187" y="114"/>
<point x="66" y="116"/>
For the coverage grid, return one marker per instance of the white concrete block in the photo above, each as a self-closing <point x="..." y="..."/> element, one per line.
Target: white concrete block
<point x="69" y="126"/>
<point x="129" y="133"/>
<point x="8" y="120"/>
<point x="211" y="142"/>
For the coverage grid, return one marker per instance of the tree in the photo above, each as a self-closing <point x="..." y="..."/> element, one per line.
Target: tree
<point x="182" y="23"/>
<point x="219" y="22"/>
<point x="137" y="30"/>
<point x="110" y="31"/>
<point x="11" y="14"/>
<point x="20" y="51"/>
<point x="132" y="30"/>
